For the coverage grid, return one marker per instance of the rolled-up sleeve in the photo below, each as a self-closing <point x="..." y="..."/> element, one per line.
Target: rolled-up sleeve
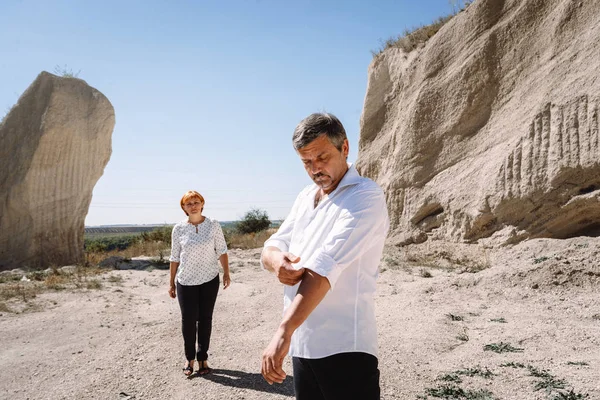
<point x="282" y="238"/>
<point x="175" y="244"/>
<point x="220" y="243"/>
<point x="362" y="220"/>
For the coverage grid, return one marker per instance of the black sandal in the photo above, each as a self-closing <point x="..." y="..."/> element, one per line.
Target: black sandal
<point x="189" y="370"/>
<point x="204" y="370"/>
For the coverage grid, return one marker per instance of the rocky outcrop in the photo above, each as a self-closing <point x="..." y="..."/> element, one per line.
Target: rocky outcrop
<point x="54" y="145"/>
<point x="490" y="130"/>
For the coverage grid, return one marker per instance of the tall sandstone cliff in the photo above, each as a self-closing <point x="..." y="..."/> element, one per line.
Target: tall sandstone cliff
<point x="54" y="145"/>
<point x="490" y="130"/>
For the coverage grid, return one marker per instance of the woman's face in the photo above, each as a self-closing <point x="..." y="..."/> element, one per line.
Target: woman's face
<point x="193" y="206"/>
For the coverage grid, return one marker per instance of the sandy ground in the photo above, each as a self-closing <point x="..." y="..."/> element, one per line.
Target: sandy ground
<point x="123" y="341"/>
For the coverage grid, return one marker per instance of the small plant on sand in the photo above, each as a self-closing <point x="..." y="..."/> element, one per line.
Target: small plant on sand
<point x="9" y="278"/>
<point x="450" y="378"/>
<point x="538" y="373"/>
<point x="391" y="262"/>
<point x="513" y="364"/>
<point x="499" y="320"/>
<point x="39" y="276"/>
<point x="25" y="291"/>
<point x="56" y="281"/>
<point x="571" y="395"/>
<point x="550" y="384"/>
<point x="115" y="279"/>
<point x="4" y="307"/>
<point x="540" y="259"/>
<point x="578" y="363"/>
<point x="423" y="273"/>
<point x="454" y="317"/>
<point x="476" y="371"/>
<point x="502" y="348"/>
<point x="93" y="284"/>
<point x="463" y="337"/>
<point x="452" y="392"/>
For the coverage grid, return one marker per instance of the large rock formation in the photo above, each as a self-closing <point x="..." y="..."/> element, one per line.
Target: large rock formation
<point x="54" y="145"/>
<point x="491" y="128"/>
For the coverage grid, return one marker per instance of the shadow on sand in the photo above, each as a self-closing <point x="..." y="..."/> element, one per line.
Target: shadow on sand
<point x="246" y="380"/>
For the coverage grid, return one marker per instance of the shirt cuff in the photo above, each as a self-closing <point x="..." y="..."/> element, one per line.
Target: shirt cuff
<point x="325" y="266"/>
<point x="272" y="243"/>
<point x="174" y="259"/>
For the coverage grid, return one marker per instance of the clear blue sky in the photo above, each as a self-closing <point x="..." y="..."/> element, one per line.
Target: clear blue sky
<point x="206" y="93"/>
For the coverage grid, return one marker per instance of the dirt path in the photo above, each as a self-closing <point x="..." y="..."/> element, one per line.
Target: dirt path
<point x="123" y="341"/>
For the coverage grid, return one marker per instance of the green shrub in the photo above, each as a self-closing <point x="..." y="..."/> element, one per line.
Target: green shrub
<point x="109" y="243"/>
<point x="161" y="234"/>
<point x="255" y="220"/>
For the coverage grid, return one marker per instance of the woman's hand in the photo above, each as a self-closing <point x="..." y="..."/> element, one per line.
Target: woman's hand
<point x="226" y="280"/>
<point x="172" y="292"/>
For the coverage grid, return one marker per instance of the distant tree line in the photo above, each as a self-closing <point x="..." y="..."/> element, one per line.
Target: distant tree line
<point x="254" y="221"/>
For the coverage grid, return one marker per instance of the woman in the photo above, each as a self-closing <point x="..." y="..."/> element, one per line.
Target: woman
<point x="197" y="242"/>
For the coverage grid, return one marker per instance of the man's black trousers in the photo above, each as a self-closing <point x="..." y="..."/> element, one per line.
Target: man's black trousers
<point x="343" y="376"/>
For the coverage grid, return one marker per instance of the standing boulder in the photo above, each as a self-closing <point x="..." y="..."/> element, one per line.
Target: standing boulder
<point x="54" y="145"/>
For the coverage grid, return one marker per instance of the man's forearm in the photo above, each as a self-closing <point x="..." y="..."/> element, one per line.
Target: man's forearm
<point x="266" y="257"/>
<point x="311" y="292"/>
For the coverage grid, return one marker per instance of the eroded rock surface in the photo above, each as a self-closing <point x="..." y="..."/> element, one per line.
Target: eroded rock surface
<point x="54" y="145"/>
<point x="490" y="130"/>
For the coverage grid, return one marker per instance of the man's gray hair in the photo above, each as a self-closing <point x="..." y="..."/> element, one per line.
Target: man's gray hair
<point x="318" y="124"/>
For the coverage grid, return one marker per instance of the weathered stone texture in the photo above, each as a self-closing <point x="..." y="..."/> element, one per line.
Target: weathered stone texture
<point x="491" y="128"/>
<point x="54" y="145"/>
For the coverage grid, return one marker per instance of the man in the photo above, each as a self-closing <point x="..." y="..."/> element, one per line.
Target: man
<point x="327" y="253"/>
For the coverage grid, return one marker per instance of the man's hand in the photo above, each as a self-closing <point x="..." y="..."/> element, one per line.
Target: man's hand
<point x="272" y="359"/>
<point x="312" y="290"/>
<point x="172" y="291"/>
<point x="285" y="271"/>
<point x="280" y="263"/>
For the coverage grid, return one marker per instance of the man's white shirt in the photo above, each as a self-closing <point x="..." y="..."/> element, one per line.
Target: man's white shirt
<point x="341" y="239"/>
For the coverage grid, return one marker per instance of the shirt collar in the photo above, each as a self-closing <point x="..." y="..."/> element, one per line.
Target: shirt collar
<point x="351" y="177"/>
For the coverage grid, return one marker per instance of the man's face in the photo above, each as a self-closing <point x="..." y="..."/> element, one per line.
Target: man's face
<point x="325" y="164"/>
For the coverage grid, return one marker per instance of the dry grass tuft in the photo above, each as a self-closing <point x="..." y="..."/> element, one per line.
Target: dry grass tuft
<point x="4" y="307"/>
<point x="115" y="279"/>
<point x="151" y="249"/>
<point x="444" y="257"/>
<point x="9" y="278"/>
<point x="41" y="281"/>
<point x="57" y="281"/>
<point x="411" y="39"/>
<point x="248" y="240"/>
<point x="24" y="291"/>
<point x="159" y="249"/>
<point x="415" y="37"/>
<point x="93" y="284"/>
